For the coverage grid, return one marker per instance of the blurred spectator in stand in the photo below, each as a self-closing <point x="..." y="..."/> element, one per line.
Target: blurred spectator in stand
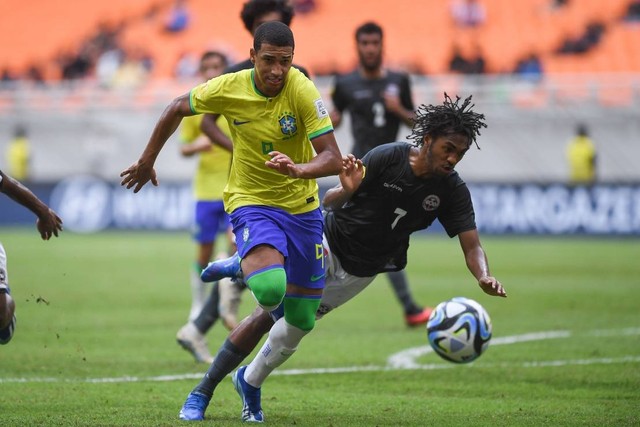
<point x="633" y="11"/>
<point x="179" y="16"/>
<point x="477" y="64"/>
<point x="468" y="13"/>
<point x="591" y="37"/>
<point x="75" y="67"/>
<point x="458" y="63"/>
<point x="529" y="68"/>
<point x="558" y="4"/>
<point x="303" y="6"/>
<point x="581" y="155"/>
<point x="19" y="154"/>
<point x="7" y="78"/>
<point x="133" y="70"/>
<point x="107" y="66"/>
<point x="462" y="64"/>
<point x="187" y="66"/>
<point x="34" y="74"/>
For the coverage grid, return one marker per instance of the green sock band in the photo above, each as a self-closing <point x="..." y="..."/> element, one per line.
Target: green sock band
<point x="301" y="311"/>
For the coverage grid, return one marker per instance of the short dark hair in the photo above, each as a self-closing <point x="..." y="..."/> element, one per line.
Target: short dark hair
<point x="446" y="119"/>
<point x="274" y="33"/>
<point x="582" y="130"/>
<point x="255" y="8"/>
<point x="212" y="54"/>
<point x="368" y="28"/>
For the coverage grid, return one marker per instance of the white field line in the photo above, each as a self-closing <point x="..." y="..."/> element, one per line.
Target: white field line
<point x="404" y="360"/>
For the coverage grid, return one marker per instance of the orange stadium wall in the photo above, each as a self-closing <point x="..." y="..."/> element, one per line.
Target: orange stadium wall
<point x="419" y="35"/>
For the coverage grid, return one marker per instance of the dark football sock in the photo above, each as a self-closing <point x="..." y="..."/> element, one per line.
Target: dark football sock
<point x="228" y="358"/>
<point x="209" y="313"/>
<point x="400" y="285"/>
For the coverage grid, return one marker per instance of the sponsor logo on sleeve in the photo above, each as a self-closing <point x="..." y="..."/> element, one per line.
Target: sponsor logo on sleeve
<point x="321" y="110"/>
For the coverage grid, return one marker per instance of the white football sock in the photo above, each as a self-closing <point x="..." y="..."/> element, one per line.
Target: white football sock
<point x="282" y="342"/>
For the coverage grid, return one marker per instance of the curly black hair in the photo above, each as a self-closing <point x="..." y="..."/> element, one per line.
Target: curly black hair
<point x="448" y="118"/>
<point x="255" y="8"/>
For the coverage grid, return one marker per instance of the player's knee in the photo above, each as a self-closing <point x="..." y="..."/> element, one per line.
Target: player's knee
<point x="301" y="312"/>
<point x="268" y="286"/>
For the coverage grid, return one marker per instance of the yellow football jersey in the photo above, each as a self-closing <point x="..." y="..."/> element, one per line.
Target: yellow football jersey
<point x="581" y="154"/>
<point x="213" y="166"/>
<point x="260" y="124"/>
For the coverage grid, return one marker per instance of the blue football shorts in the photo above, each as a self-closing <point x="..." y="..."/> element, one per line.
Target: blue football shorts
<point x="210" y="219"/>
<point x="297" y="237"/>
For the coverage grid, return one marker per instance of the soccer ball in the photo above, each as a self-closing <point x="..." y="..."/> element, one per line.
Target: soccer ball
<point x="459" y="330"/>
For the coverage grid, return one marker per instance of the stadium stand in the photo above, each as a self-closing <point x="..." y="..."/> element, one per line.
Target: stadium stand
<point x="420" y="35"/>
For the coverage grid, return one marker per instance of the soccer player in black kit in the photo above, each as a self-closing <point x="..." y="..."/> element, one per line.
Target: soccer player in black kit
<point x="378" y="100"/>
<point x="396" y="189"/>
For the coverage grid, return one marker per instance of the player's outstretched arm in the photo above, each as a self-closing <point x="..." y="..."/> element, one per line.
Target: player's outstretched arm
<point x="141" y="172"/>
<point x="478" y="264"/>
<point x="48" y="222"/>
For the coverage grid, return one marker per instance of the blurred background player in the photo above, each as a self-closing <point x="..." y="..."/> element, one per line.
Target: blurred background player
<point x="225" y="302"/>
<point x="378" y="100"/>
<point x="19" y="154"/>
<point x="48" y="224"/>
<point x="210" y="218"/>
<point x="581" y="154"/>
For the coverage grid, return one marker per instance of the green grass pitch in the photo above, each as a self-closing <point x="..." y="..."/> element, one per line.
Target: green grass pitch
<point x="97" y="317"/>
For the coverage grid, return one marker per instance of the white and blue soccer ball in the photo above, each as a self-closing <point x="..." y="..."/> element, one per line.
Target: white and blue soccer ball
<point x="459" y="330"/>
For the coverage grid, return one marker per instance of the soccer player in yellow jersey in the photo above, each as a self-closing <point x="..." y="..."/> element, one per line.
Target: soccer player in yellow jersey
<point x="581" y="154"/>
<point x="19" y="155"/>
<point x="224" y="304"/>
<point x="210" y="218"/>
<point x="282" y="140"/>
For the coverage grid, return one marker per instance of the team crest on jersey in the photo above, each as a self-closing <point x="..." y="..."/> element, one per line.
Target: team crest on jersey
<point x="288" y="124"/>
<point x="431" y="203"/>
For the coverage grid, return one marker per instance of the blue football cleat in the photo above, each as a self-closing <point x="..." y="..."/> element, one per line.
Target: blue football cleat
<point x="216" y="270"/>
<point x="194" y="407"/>
<point x="251" y="409"/>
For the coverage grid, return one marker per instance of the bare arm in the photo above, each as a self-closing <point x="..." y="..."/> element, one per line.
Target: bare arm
<point x="394" y="104"/>
<point x="141" y="172"/>
<point x="336" y="118"/>
<point x="327" y="161"/>
<point x="48" y="222"/>
<point x="201" y="144"/>
<point x="350" y="180"/>
<point x="213" y="131"/>
<point x="478" y="264"/>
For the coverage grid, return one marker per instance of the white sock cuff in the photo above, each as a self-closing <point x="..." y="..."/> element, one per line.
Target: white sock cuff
<point x="282" y="342"/>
